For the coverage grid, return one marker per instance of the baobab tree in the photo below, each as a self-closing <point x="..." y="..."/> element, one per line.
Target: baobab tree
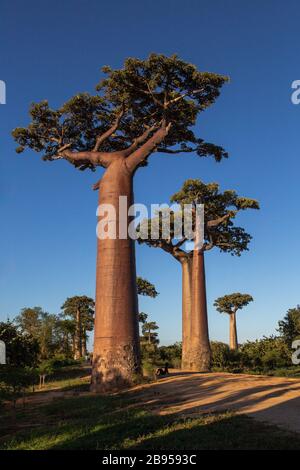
<point x="81" y="311"/>
<point x="230" y="304"/>
<point x="147" y="106"/>
<point x="220" y="210"/>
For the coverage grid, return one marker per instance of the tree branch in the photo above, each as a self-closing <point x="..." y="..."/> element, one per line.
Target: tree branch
<point x="139" y="140"/>
<point x="135" y="158"/>
<point x="100" y="139"/>
<point x="216" y="222"/>
<point x="166" y="150"/>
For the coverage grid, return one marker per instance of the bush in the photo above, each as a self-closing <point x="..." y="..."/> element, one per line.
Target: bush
<point x="14" y="382"/>
<point x="267" y="353"/>
<point x="60" y="360"/>
<point x="171" y="354"/>
<point x="149" y="370"/>
<point x="220" y="354"/>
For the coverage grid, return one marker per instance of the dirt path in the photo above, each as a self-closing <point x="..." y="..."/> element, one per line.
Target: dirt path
<point x="272" y="399"/>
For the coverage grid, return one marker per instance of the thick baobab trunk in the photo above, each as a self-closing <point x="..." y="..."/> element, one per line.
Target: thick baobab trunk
<point x="116" y="357"/>
<point x="200" y="354"/>
<point x="186" y="266"/>
<point x="78" y="339"/>
<point x="233" y="342"/>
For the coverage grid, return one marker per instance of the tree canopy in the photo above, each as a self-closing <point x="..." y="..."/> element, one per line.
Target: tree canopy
<point x="130" y="105"/>
<point x="220" y="210"/>
<point x="289" y="327"/>
<point x="230" y="303"/>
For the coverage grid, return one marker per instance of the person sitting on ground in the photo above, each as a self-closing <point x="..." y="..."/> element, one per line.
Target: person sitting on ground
<point x="162" y="371"/>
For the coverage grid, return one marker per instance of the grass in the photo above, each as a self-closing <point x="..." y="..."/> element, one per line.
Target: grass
<point x="293" y="371"/>
<point x="117" y="422"/>
<point x="121" y="422"/>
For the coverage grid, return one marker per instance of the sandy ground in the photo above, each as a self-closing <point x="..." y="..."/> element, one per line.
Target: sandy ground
<point x="271" y="399"/>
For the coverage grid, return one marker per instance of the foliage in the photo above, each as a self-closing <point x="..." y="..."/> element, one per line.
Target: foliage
<point x="232" y="302"/>
<point x="42" y="326"/>
<point x="79" y="310"/>
<point x="220" y="208"/>
<point x="145" y="92"/>
<point x="267" y="353"/>
<point x="21" y="349"/>
<point x="14" y="381"/>
<point x="220" y="354"/>
<point x="145" y="287"/>
<point x="171" y="354"/>
<point x="149" y="332"/>
<point x="289" y="327"/>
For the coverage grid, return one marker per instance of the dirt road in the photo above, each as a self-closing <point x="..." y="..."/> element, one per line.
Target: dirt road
<point x="271" y="399"/>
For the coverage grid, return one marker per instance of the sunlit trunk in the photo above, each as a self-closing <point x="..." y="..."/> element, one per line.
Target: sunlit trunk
<point x="78" y="345"/>
<point x="116" y="356"/>
<point x="200" y="354"/>
<point x="186" y="266"/>
<point x="233" y="342"/>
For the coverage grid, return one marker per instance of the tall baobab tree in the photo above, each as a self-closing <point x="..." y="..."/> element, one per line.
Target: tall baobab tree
<point x="230" y="304"/>
<point x="220" y="210"/>
<point x="147" y="106"/>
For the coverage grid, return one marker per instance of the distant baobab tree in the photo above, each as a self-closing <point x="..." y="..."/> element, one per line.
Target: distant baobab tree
<point x="145" y="107"/>
<point x="220" y="231"/>
<point x="230" y="304"/>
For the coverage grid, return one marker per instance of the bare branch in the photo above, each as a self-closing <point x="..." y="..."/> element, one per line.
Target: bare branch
<point x="219" y="221"/>
<point x="178" y="98"/>
<point x="100" y="139"/>
<point x="148" y="147"/>
<point x="139" y="140"/>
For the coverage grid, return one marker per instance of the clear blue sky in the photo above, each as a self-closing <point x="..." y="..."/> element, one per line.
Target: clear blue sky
<point x="53" y="49"/>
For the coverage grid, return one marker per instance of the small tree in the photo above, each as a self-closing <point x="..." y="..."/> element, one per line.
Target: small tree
<point x="149" y="332"/>
<point x="230" y="304"/>
<point x="44" y="369"/>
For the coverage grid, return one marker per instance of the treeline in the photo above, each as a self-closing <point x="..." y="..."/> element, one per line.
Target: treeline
<point x="269" y="355"/>
<point x="65" y="333"/>
<point x="38" y="343"/>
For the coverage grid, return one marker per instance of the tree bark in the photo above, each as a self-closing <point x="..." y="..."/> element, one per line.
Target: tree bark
<point x="233" y="342"/>
<point x="186" y="266"/>
<point x="78" y="343"/>
<point x="200" y="353"/>
<point x="83" y="344"/>
<point x="116" y="357"/>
